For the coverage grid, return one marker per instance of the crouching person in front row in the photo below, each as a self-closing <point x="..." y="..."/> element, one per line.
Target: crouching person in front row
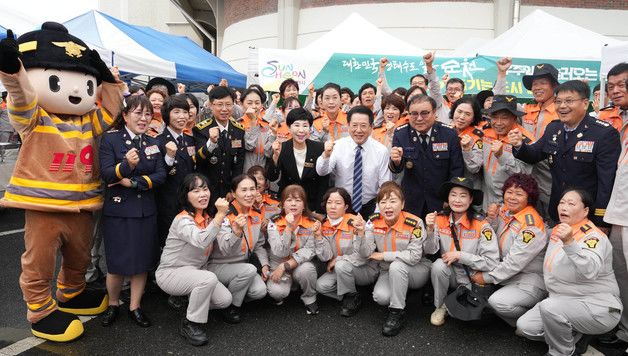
<point x="291" y="239"/>
<point x="190" y="240"/>
<point x="396" y="239"/>
<point x="583" y="293"/>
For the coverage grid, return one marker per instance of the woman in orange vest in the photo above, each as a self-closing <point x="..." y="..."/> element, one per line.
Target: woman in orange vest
<point x="392" y="107"/>
<point x="333" y="122"/>
<point x="467" y="242"/>
<point x="465" y="115"/>
<point x="291" y="239"/>
<point x="338" y="245"/>
<point x="257" y="138"/>
<point x="157" y="98"/>
<point x="279" y="129"/>
<point x="264" y="202"/>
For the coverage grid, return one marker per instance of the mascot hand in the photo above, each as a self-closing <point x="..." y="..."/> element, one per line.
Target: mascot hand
<point x="9" y="54"/>
<point x="101" y="67"/>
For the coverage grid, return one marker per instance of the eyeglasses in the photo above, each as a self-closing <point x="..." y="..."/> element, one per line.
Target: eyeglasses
<point x="223" y="105"/>
<point x="423" y="114"/>
<point x="567" y="102"/>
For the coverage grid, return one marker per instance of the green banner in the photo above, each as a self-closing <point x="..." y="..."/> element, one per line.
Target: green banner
<point x="479" y="73"/>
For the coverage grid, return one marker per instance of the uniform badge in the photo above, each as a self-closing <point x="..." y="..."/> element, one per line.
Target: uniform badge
<point x="479" y="144"/>
<point x="128" y="142"/>
<point x="213" y="160"/>
<point x="117" y="199"/>
<point x="272" y="226"/>
<point x="468" y="234"/>
<point x="173" y="171"/>
<point x="409" y="164"/>
<point x="414" y="139"/>
<point x="191" y="150"/>
<point x="236" y="143"/>
<point x="584" y="146"/>
<point x="417" y="232"/>
<point x="528" y="236"/>
<point x="308" y="165"/>
<point x="550" y="159"/>
<point x="554" y="137"/>
<point x="488" y="234"/>
<point x="439" y="146"/>
<point x="151" y="150"/>
<point x="591" y="242"/>
<point x="579" y="135"/>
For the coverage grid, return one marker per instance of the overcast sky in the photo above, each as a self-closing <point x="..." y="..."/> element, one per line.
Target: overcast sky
<point x="39" y="11"/>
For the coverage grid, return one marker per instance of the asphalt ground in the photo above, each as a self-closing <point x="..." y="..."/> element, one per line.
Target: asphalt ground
<point x="266" y="328"/>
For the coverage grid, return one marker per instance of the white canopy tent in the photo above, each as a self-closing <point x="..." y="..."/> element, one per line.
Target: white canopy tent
<point x="543" y="36"/>
<point x="611" y="55"/>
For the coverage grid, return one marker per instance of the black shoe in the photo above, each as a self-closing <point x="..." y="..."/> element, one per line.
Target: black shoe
<point x="610" y="340"/>
<point x="583" y="344"/>
<point x="193" y="332"/>
<point x="351" y="302"/>
<point x="231" y="315"/>
<point x="394" y="322"/>
<point x="177" y="302"/>
<point x="311" y="309"/>
<point x="139" y="317"/>
<point x="110" y="315"/>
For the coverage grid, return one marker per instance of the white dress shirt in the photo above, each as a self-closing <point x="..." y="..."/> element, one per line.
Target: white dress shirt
<point x="375" y="170"/>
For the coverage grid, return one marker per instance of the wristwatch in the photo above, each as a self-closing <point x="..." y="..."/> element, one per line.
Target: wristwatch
<point x="286" y="266"/>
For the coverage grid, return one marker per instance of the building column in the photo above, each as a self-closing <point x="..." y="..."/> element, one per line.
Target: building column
<point x="288" y="23"/>
<point x="503" y="11"/>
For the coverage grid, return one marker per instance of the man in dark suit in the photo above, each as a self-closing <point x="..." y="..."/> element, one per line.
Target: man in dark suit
<point x="295" y="160"/>
<point x="582" y="151"/>
<point x="428" y="153"/>
<point x="220" y="144"/>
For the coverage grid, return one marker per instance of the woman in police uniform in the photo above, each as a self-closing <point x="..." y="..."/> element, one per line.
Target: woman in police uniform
<point x="132" y="167"/>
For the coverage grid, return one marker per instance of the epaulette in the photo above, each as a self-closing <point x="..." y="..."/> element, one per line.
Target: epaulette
<point x="486" y="126"/>
<point x="113" y="131"/>
<point x="609" y="107"/>
<point x="479" y="216"/>
<point x="445" y="125"/>
<point x="374" y="217"/>
<point x="203" y="124"/>
<point x="602" y="123"/>
<point x="529" y="219"/>
<point x="585" y="228"/>
<point x="410" y="222"/>
<point x="275" y="217"/>
<point x="236" y="124"/>
<point x="478" y="132"/>
<point x="400" y="127"/>
<point x="526" y="139"/>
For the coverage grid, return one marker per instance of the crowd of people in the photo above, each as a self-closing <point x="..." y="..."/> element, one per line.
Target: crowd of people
<point x="247" y="195"/>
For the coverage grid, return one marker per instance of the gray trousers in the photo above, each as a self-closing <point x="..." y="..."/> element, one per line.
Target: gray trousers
<point x="97" y="252"/>
<point x="392" y="285"/>
<point x="619" y="240"/>
<point x="201" y="285"/>
<point x="561" y="321"/>
<point x="241" y="279"/>
<point x="305" y="275"/>
<point x="443" y="278"/>
<point x="344" y="278"/>
<point x="511" y="301"/>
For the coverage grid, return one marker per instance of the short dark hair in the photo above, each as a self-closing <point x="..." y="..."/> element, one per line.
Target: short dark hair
<point x="364" y="87"/>
<point x="394" y="100"/>
<point x="388" y="188"/>
<point x="287" y="101"/>
<point x="421" y="76"/>
<point x="343" y="193"/>
<point x="401" y="91"/>
<point x="455" y="80"/>
<point x="250" y="91"/>
<point x="585" y="196"/>
<point x="618" y="69"/>
<point x="477" y="112"/>
<point x="285" y="84"/>
<point x="410" y="93"/>
<point x="299" y="114"/>
<point x="190" y="182"/>
<point x="525" y="182"/>
<point x="360" y="109"/>
<point x="298" y="191"/>
<point x="333" y="86"/>
<point x="131" y="103"/>
<point x="260" y="90"/>
<point x="415" y="99"/>
<point x="577" y="86"/>
<point x="256" y="169"/>
<point x="235" y="182"/>
<point x="194" y="100"/>
<point x="346" y="90"/>
<point x="596" y="88"/>
<point x="179" y="101"/>
<point x="134" y="88"/>
<point x="220" y="92"/>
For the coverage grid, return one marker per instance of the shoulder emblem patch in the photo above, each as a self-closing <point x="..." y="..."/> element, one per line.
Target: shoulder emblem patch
<point x="591" y="242"/>
<point x="374" y="217"/>
<point x="400" y="127"/>
<point x="488" y="234"/>
<point x="479" y="144"/>
<point x="528" y="236"/>
<point x="417" y="232"/>
<point x="585" y="228"/>
<point x="203" y="124"/>
<point x="410" y="222"/>
<point x="529" y="219"/>
<point x="602" y="123"/>
<point x="275" y="217"/>
<point x="478" y="132"/>
<point x="236" y="124"/>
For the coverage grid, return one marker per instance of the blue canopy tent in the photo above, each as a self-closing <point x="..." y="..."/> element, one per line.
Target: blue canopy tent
<point x="142" y="50"/>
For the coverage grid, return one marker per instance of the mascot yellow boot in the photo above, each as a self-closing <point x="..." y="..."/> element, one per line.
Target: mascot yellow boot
<point x="52" y="78"/>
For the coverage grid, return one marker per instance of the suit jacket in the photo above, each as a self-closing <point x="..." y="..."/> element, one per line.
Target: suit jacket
<point x="149" y="173"/>
<point x="587" y="161"/>
<point x="315" y="186"/>
<point x="184" y="164"/>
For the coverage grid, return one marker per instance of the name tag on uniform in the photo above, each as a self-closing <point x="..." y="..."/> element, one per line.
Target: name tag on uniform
<point x="151" y="150"/>
<point x="440" y="146"/>
<point x="236" y="143"/>
<point x="379" y="231"/>
<point x="468" y="234"/>
<point x="308" y="165"/>
<point x="403" y="236"/>
<point x="584" y="146"/>
<point x="191" y="150"/>
<point x="346" y="235"/>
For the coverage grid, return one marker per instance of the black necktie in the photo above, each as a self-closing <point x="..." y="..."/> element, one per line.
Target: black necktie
<point x="424" y="141"/>
<point x="136" y="142"/>
<point x="180" y="141"/>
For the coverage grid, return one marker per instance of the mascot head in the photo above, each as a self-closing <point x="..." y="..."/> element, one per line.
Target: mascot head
<point x="61" y="69"/>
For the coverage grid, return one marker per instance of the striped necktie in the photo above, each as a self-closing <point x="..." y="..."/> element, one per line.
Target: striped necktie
<point x="356" y="201"/>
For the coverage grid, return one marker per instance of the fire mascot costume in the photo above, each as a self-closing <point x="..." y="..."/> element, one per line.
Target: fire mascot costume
<point x="53" y="80"/>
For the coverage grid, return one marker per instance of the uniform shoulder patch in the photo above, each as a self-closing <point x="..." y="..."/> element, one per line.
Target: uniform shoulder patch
<point x="591" y="242"/>
<point x="374" y="217"/>
<point x="478" y="132"/>
<point x="488" y="234"/>
<point x="236" y="124"/>
<point x="526" y="139"/>
<point x="527" y="236"/>
<point x="479" y="144"/>
<point x="479" y="216"/>
<point x="411" y="222"/>
<point x="585" y="227"/>
<point x="602" y="123"/>
<point x="608" y="108"/>
<point x="529" y="219"/>
<point x="417" y="232"/>
<point x="446" y="125"/>
<point x="275" y="217"/>
<point x="401" y="127"/>
<point x="113" y="130"/>
<point x="203" y="124"/>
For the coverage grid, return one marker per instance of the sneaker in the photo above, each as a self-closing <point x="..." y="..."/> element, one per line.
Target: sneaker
<point x="438" y="316"/>
<point x="311" y="309"/>
<point x="193" y="333"/>
<point x="394" y="322"/>
<point x="231" y="315"/>
<point x="351" y="302"/>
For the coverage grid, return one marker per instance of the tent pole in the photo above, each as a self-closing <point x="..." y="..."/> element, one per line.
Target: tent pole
<point x="196" y="24"/>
